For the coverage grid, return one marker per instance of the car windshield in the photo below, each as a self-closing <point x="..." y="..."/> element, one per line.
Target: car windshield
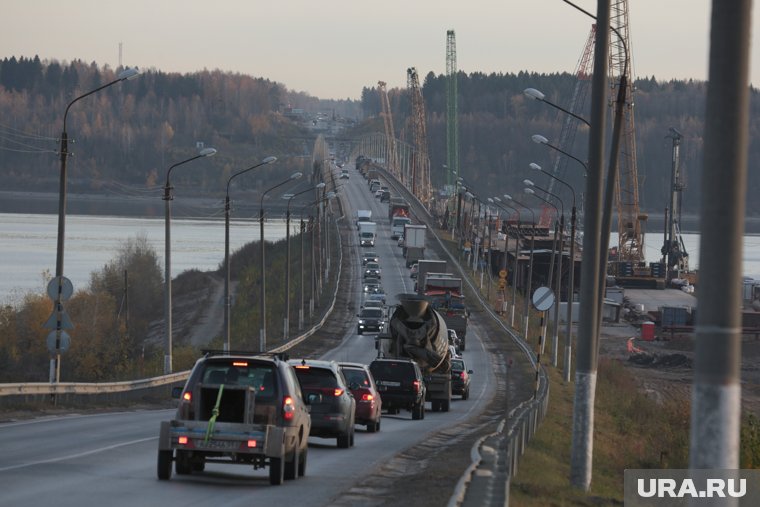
<point x="372" y="313"/>
<point x="457" y="364"/>
<point x="240" y="373"/>
<point x="391" y="370"/>
<point x="316" y="377"/>
<point x="373" y="265"/>
<point x="356" y="376"/>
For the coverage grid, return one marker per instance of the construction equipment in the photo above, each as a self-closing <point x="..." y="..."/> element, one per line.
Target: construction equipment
<point x="420" y="167"/>
<point x="391" y="159"/>
<point x="630" y="219"/>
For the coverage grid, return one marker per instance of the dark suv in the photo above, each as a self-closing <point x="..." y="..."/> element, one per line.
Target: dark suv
<point x="401" y="385"/>
<point x="238" y="409"/>
<point x="370" y="319"/>
<point x="333" y="415"/>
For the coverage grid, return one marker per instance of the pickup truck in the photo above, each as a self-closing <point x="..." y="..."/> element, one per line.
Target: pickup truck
<point x="238" y="409"/>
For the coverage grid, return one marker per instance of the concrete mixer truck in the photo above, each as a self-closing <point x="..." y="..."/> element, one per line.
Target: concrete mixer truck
<point x="417" y="332"/>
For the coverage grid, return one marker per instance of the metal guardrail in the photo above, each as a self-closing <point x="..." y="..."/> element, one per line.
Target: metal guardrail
<point x="495" y="457"/>
<point x="79" y="392"/>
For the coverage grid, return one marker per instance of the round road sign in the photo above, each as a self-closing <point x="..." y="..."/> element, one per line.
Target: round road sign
<point x="503" y="273"/>
<point x="65" y="285"/>
<point x="543" y="299"/>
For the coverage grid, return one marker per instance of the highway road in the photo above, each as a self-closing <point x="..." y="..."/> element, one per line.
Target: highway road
<point x="110" y="459"/>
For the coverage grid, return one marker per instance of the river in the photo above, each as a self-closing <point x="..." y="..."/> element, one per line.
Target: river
<point x="28" y="246"/>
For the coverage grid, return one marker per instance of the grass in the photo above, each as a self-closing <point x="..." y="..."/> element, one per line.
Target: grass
<point x="630" y="431"/>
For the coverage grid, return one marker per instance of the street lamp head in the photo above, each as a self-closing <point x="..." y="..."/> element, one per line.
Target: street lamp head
<point x="535" y="166"/>
<point x="534" y="94"/>
<point x="469" y="194"/>
<point x="129" y="74"/>
<point x="497" y="199"/>
<point x="269" y="160"/>
<point x="528" y="182"/>
<point x="320" y="185"/>
<point x="331" y="195"/>
<point x="539" y="139"/>
<point x="508" y="197"/>
<point x="490" y="200"/>
<point x="207" y="152"/>
<point x="529" y="191"/>
<point x="295" y="175"/>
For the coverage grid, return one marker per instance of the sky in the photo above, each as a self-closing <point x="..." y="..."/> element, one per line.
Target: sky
<point x="331" y="49"/>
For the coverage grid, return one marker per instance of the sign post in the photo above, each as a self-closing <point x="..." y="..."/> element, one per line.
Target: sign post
<point x="543" y="299"/>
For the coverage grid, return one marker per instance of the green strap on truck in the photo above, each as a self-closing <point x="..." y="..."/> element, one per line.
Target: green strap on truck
<point x="214" y="414"/>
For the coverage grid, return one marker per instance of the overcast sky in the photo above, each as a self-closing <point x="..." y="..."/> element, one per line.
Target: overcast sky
<point x="332" y="48"/>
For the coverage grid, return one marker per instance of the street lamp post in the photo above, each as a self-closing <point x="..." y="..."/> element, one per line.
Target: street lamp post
<point x="206" y="152"/>
<point x="286" y="320"/>
<point x="530" y="263"/>
<point x="263" y="317"/>
<point x="571" y="278"/>
<point x="227" y="297"/>
<point x="55" y="366"/>
<point x="537" y="95"/>
<point x="312" y="278"/>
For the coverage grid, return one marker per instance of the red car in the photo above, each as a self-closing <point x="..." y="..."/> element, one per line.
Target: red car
<point x="362" y="386"/>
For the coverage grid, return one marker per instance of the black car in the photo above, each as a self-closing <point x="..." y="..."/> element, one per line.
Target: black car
<point x="401" y="385"/>
<point x="370" y="319"/>
<point x="333" y="415"/>
<point x="460" y="378"/>
<point x="385" y="196"/>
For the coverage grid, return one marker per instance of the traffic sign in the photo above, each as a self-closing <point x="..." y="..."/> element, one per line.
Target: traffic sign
<point x="52" y="322"/>
<point x="543" y="299"/>
<point x="63" y="345"/>
<point x="65" y="285"/>
<point x="503" y="273"/>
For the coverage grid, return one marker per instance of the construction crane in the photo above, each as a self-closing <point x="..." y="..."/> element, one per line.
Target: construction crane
<point x="452" y="126"/>
<point x="673" y="250"/>
<point x="420" y="163"/>
<point x="390" y="135"/>
<point x="630" y="219"/>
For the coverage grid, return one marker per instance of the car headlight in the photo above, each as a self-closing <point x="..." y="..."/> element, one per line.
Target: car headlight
<point x="361" y="321"/>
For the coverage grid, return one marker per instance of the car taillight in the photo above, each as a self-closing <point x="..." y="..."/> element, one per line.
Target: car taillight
<point x="417" y="386"/>
<point x="182" y="440"/>
<point x="463" y="375"/>
<point x="288" y="408"/>
<point x="367" y="397"/>
<point x="338" y="392"/>
<point x="187" y="396"/>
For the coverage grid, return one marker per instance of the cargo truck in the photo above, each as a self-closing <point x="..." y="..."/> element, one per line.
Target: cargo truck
<point x="367" y="233"/>
<point x="414" y="243"/>
<point x="444" y="291"/>
<point x="424" y="267"/>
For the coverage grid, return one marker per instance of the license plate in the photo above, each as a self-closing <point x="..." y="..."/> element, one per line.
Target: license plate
<point x="390" y="384"/>
<point x="217" y="445"/>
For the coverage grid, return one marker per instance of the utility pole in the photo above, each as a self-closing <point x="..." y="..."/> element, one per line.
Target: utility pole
<point x="716" y="392"/>
<point x="586" y="370"/>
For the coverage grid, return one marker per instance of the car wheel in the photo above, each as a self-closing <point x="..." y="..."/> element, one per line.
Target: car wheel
<point x="445" y="405"/>
<point x="372" y="427"/>
<point x="291" y="467"/>
<point x="417" y="411"/>
<point x="276" y="472"/>
<point x="302" y="462"/>
<point x="164" y="466"/>
<point x="466" y="394"/>
<point x="344" y="441"/>
<point x="422" y="408"/>
<point x="359" y="331"/>
<point x="434" y="405"/>
<point x="353" y="434"/>
<point x="182" y="463"/>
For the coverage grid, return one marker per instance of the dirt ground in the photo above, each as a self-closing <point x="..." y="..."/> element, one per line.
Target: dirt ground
<point x="665" y="367"/>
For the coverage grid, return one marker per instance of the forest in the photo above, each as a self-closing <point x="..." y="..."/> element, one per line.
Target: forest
<point x="130" y="133"/>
